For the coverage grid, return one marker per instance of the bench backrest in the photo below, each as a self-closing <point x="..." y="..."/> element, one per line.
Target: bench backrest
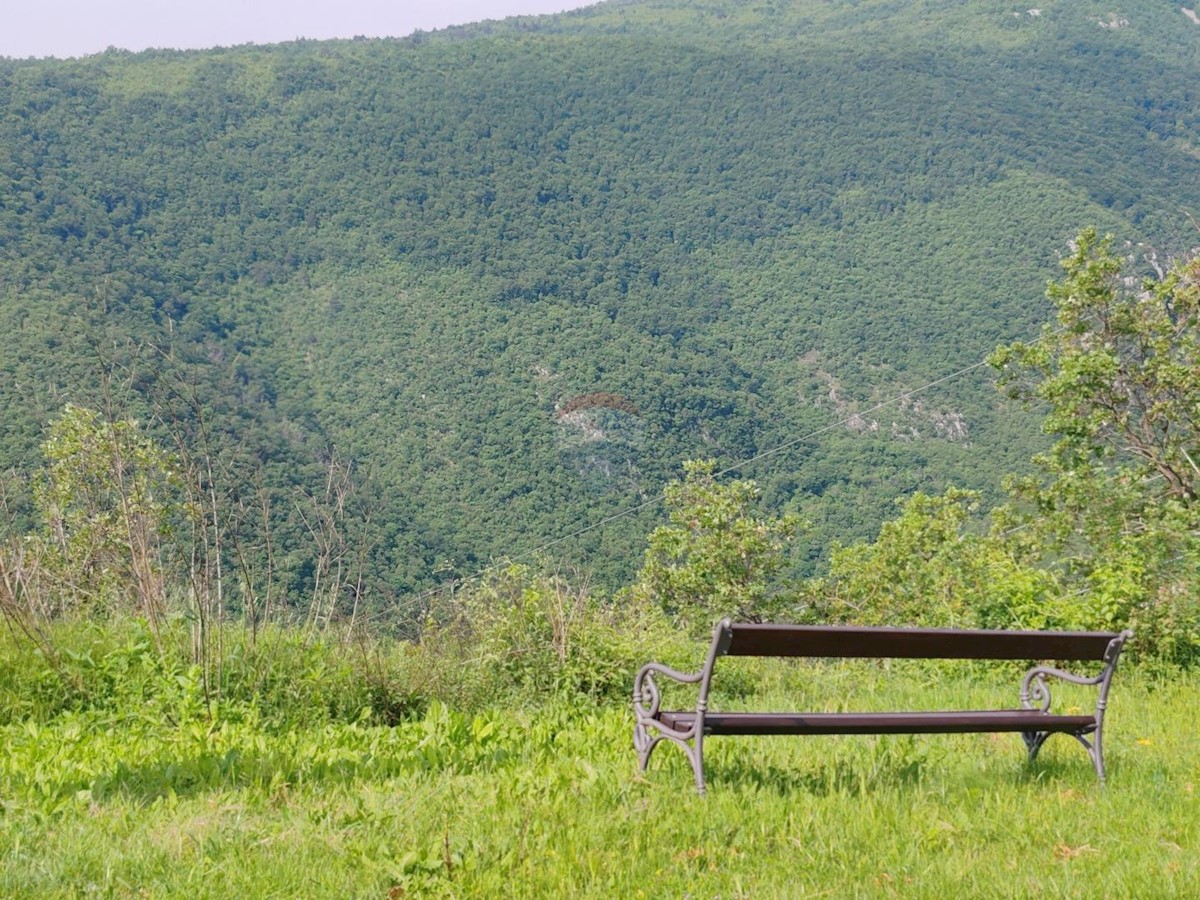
<point x="738" y="639"/>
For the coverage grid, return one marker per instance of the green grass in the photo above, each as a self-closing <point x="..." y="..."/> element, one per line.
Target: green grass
<point x="547" y="802"/>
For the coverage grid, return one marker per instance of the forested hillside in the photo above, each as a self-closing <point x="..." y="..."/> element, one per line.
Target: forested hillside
<point x="514" y="275"/>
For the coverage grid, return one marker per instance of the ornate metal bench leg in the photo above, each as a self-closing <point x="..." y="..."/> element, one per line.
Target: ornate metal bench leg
<point x="644" y="744"/>
<point x="1096" y="747"/>
<point x="696" y="755"/>
<point x="647" y="700"/>
<point x="1035" y="694"/>
<point x="1095" y="750"/>
<point x="693" y="749"/>
<point x="1033" y="742"/>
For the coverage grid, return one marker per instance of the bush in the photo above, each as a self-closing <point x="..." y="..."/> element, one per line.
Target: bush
<point x="115" y="666"/>
<point x="715" y="557"/>
<point x="531" y="636"/>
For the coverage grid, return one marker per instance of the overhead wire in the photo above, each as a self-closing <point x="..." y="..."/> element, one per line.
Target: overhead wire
<point x="508" y="560"/>
<point x="830" y="427"/>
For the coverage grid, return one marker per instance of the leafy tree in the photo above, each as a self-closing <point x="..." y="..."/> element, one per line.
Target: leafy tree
<point x="935" y="565"/>
<point x="1117" y="498"/>
<point x="1121" y="373"/>
<point x="715" y="557"/>
<point x="105" y="501"/>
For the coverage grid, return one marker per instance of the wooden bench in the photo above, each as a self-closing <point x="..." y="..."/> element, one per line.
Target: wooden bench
<point x="1032" y="719"/>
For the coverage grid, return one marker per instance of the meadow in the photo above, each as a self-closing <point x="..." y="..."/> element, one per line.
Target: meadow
<point x="130" y="783"/>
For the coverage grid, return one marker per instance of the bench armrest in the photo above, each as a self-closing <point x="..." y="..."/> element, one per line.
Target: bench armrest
<point x="1035" y="692"/>
<point x="646" y="690"/>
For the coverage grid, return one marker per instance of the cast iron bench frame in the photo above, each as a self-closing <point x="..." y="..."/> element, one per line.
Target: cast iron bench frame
<point x="1033" y="720"/>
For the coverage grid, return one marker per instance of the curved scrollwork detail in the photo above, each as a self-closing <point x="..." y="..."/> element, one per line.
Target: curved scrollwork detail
<point x="647" y="697"/>
<point x="1035" y="693"/>
<point x="647" y="704"/>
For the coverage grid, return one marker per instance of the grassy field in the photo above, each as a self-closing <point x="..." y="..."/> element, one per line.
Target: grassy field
<point x="157" y="798"/>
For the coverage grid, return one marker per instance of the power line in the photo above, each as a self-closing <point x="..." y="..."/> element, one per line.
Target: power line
<point x="607" y="520"/>
<point x="878" y="406"/>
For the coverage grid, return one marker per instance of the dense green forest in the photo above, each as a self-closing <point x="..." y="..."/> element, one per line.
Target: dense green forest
<point x="484" y="288"/>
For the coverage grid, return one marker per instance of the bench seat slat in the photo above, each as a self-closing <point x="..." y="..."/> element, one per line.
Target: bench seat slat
<point x="947" y="722"/>
<point x="750" y="639"/>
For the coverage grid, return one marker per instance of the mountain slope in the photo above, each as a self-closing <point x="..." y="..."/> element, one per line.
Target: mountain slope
<point x="519" y="272"/>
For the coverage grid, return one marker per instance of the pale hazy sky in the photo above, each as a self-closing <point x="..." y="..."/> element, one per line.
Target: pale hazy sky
<point x="78" y="27"/>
